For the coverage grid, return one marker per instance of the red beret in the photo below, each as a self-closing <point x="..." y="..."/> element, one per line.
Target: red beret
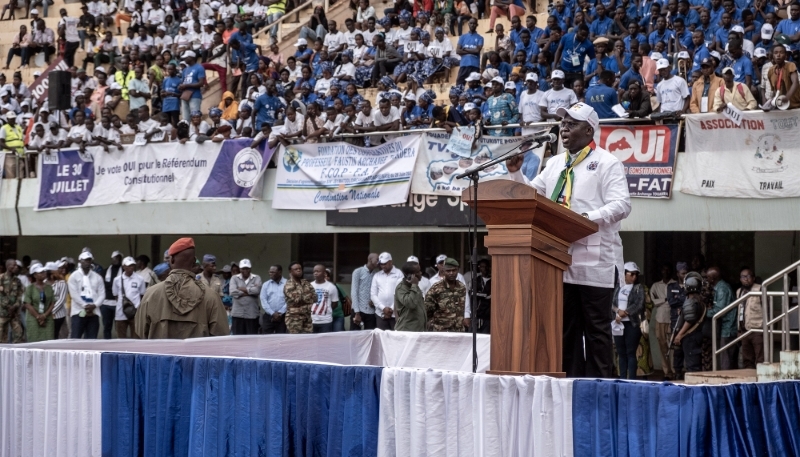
<point x="181" y="245"/>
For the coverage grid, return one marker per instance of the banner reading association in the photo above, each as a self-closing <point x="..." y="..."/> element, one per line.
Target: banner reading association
<point x="648" y="153"/>
<point x="149" y="173"/>
<point x="437" y="167"/>
<point x="342" y="176"/>
<point x="759" y="158"/>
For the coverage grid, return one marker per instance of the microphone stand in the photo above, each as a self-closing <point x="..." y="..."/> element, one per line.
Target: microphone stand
<point x="474" y="176"/>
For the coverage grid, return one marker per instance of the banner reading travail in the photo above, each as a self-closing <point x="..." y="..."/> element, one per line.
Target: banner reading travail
<point x="760" y="158"/>
<point x="154" y="172"/>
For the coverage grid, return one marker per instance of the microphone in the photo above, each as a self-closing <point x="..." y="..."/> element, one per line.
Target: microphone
<point x="539" y="139"/>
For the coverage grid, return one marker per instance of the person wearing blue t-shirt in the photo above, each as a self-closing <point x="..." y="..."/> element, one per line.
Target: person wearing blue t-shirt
<point x="751" y="26"/>
<point x="602" y="97"/>
<point x="562" y="14"/>
<point x="516" y="29"/>
<point x="632" y="74"/>
<point x="683" y="38"/>
<point x="170" y="95"/>
<point x="469" y="48"/>
<point x="537" y="33"/>
<point x="572" y="52"/>
<point x="661" y="33"/>
<point x="194" y="77"/>
<point x="730" y="8"/>
<point x="243" y="55"/>
<point x="698" y="5"/>
<point x="742" y="65"/>
<point x="601" y="24"/>
<point x="528" y="46"/>
<point x="707" y="27"/>
<point x="267" y="106"/>
<point x="600" y="63"/>
<point x="690" y="17"/>
<point x="721" y="37"/>
<point x="791" y="27"/>
<point x="633" y="34"/>
<point x="648" y="22"/>
<point x="303" y="54"/>
<point x="716" y="11"/>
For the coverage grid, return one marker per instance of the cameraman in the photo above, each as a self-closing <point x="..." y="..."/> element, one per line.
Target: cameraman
<point x="690" y="322"/>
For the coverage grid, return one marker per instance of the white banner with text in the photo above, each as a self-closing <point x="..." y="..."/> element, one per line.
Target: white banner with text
<point x="758" y="158"/>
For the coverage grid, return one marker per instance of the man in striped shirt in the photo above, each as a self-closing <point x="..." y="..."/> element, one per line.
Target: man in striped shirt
<point x="363" y="309"/>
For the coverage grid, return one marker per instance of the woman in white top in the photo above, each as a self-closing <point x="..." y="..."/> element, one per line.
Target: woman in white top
<point x="365" y="11"/>
<point x="197" y="126"/>
<point x="57" y="271"/>
<point x="628" y="308"/>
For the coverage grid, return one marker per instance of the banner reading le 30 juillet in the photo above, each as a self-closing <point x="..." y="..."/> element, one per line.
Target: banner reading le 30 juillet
<point x="648" y="153"/>
<point x="328" y="176"/>
<point x="153" y="172"/>
<point x="437" y="167"/>
<point x="759" y="158"/>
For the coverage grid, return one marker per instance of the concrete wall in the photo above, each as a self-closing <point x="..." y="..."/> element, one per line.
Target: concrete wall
<point x="680" y="213"/>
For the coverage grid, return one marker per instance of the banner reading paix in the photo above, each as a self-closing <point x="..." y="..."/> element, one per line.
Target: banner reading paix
<point x="759" y="158"/>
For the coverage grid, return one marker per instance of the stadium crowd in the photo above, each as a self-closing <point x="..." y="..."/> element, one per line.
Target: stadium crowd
<point x="624" y="58"/>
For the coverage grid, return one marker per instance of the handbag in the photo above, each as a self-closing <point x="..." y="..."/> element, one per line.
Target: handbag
<point x="128" y="308"/>
<point x="186" y="95"/>
<point x="645" y="326"/>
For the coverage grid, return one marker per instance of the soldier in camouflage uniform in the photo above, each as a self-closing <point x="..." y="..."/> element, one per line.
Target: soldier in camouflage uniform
<point x="445" y="301"/>
<point x="11" y="292"/>
<point x="300" y="296"/>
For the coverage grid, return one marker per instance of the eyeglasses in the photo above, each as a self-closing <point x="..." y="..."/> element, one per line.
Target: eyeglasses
<point x="568" y="125"/>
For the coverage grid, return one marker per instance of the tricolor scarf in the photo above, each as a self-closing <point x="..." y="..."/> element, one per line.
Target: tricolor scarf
<point x="562" y="194"/>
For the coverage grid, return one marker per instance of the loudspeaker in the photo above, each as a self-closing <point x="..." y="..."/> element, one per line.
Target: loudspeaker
<point x="59" y="90"/>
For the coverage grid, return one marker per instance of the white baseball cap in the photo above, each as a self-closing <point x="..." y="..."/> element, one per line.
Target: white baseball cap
<point x="188" y="54"/>
<point x="128" y="261"/>
<point x="581" y="112"/>
<point x="410" y="96"/>
<point x="631" y="266"/>
<point x="34" y="11"/>
<point x="760" y="52"/>
<point x="441" y="258"/>
<point x="474" y="76"/>
<point x="116" y="253"/>
<point x="38" y="268"/>
<point x="557" y="74"/>
<point x="51" y="266"/>
<point x="656" y="56"/>
<point x="767" y="31"/>
<point x="498" y="80"/>
<point x="716" y="55"/>
<point x="511" y="85"/>
<point x="245" y="263"/>
<point x="727" y="69"/>
<point x="384" y="257"/>
<point x="662" y="63"/>
<point x="301" y="42"/>
<point x="683" y="55"/>
<point x="85" y="255"/>
<point x="737" y="29"/>
<point x="470" y="106"/>
<point x="412" y="258"/>
<point x="532" y="77"/>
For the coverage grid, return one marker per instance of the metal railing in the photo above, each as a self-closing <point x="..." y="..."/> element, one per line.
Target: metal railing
<point x="294" y="12"/>
<point x="543" y="125"/>
<point x="768" y="311"/>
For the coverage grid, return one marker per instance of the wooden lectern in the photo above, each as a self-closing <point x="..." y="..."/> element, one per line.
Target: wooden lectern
<point x="529" y="237"/>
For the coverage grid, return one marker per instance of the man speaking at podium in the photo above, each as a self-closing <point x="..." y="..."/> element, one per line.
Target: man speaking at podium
<point x="591" y="182"/>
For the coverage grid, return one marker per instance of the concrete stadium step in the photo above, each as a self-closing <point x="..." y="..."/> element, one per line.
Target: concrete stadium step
<point x="721" y="377"/>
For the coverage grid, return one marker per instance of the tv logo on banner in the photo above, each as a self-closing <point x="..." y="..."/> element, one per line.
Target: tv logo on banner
<point x="648" y="153"/>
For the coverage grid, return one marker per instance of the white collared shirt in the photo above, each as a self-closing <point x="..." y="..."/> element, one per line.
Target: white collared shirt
<point x="81" y="291"/>
<point x="600" y="191"/>
<point x="382" y="290"/>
